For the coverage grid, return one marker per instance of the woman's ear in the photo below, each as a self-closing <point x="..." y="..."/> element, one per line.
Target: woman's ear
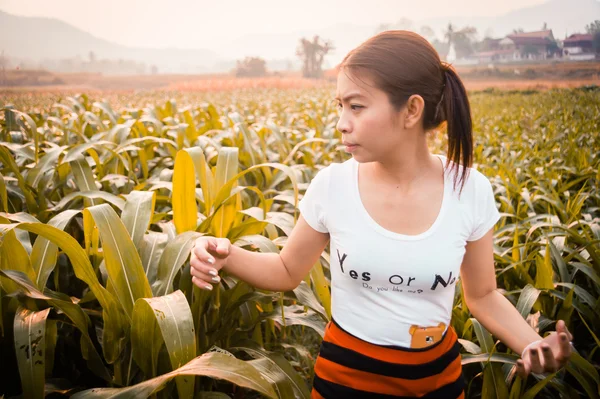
<point x="413" y="111"/>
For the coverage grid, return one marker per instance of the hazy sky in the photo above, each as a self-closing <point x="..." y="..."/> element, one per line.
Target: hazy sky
<point x="198" y="24"/>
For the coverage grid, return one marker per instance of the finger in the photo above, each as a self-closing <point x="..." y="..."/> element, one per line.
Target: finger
<point x="205" y="276"/>
<point x="201" y="284"/>
<point x="565" y="348"/>
<point x="522" y="369"/>
<point x="536" y="362"/>
<point x="203" y="256"/>
<point x="561" y="326"/>
<point x="222" y="247"/>
<point x="550" y="363"/>
<point x="198" y="265"/>
<point x="194" y="258"/>
<point x="211" y="245"/>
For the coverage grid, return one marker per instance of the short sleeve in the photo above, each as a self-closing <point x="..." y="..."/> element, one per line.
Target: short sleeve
<point x="485" y="211"/>
<point x="313" y="204"/>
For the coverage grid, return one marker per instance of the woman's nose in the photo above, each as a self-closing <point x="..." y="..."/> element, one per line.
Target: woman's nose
<point x="343" y="125"/>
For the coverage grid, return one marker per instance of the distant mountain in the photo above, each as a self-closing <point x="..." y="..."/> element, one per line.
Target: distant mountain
<point x="562" y="16"/>
<point x="45" y="38"/>
<point x="39" y="38"/>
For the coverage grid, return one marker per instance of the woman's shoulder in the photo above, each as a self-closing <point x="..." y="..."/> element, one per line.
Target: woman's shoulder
<point x="325" y="174"/>
<point x="336" y="168"/>
<point x="475" y="180"/>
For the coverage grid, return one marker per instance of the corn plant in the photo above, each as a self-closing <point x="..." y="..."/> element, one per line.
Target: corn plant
<point x="101" y="202"/>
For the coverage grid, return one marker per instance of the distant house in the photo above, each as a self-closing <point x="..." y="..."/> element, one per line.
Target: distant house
<point x="538" y="45"/>
<point x="578" y="47"/>
<point x="519" y="47"/>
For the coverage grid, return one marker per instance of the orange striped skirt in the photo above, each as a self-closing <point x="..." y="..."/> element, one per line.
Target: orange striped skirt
<point x="349" y="367"/>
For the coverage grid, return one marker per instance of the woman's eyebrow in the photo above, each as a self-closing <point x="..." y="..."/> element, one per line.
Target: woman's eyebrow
<point x="351" y="96"/>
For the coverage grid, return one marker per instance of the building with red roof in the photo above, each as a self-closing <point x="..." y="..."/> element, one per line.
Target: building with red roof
<point x="579" y="47"/>
<point x="521" y="46"/>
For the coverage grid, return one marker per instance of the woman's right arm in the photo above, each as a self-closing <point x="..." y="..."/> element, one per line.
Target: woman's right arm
<point x="268" y="271"/>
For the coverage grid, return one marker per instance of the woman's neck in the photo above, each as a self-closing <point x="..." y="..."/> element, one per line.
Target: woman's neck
<point x="406" y="170"/>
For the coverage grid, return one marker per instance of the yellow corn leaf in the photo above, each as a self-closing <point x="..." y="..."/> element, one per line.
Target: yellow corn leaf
<point x="213" y="364"/>
<point x="321" y="287"/>
<point x="185" y="211"/>
<point x="175" y="323"/>
<point x="123" y="263"/>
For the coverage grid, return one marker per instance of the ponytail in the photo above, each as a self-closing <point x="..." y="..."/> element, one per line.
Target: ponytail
<point x="455" y="109"/>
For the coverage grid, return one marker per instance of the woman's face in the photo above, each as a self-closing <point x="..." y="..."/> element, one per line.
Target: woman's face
<point x="368" y="121"/>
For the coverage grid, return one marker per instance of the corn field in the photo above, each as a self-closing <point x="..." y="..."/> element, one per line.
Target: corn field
<point x="101" y="200"/>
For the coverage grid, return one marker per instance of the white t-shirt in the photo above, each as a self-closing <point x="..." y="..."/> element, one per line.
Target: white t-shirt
<point x="382" y="282"/>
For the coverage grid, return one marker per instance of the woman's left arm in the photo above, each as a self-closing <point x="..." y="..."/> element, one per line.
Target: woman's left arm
<point x="502" y="319"/>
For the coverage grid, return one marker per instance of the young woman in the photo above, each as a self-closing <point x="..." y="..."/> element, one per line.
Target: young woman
<point x="403" y="224"/>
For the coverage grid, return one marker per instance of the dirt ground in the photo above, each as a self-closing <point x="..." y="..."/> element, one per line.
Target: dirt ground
<point x="480" y="77"/>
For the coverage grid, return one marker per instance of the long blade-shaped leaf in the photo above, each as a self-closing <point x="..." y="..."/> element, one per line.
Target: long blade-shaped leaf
<point x="486" y="357"/>
<point x="185" y="210"/>
<point x="137" y="214"/>
<point x="321" y="287"/>
<point x="533" y="392"/>
<point x="173" y="257"/>
<point x="227" y="168"/>
<point x="483" y="336"/>
<point x="45" y="253"/>
<point x="13" y="256"/>
<point x="108" y="197"/>
<point x="214" y="365"/>
<point x="494" y="385"/>
<point x="152" y="247"/>
<point x="32" y="131"/>
<point x="3" y="195"/>
<point x="114" y="324"/>
<point x="9" y="162"/>
<point x="527" y="299"/>
<point x="123" y="263"/>
<point x="174" y="318"/>
<point x="272" y="373"/>
<point x="204" y="175"/>
<point x="225" y="191"/>
<point x="278" y="367"/>
<point x="77" y="150"/>
<point x="295" y="315"/>
<point x="73" y="311"/>
<point x="30" y="347"/>
<point x="46" y="163"/>
<point x="84" y="178"/>
<point x="307" y="297"/>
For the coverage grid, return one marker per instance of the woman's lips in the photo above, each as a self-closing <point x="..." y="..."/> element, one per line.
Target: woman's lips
<point x="350" y="147"/>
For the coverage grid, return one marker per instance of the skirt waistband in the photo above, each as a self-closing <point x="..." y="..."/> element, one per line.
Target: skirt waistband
<point x="349" y="367"/>
<point x="336" y="334"/>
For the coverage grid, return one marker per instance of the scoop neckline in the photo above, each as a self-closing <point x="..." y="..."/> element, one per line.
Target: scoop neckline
<point x="392" y="234"/>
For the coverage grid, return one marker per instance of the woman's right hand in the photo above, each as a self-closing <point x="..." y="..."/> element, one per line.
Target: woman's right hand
<point x="208" y="256"/>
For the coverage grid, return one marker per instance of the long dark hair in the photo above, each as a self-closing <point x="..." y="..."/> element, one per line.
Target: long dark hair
<point x="402" y="63"/>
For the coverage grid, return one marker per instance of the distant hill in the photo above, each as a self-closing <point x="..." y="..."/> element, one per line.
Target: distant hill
<point x="46" y="38"/>
<point x="39" y="38"/>
<point x="562" y="16"/>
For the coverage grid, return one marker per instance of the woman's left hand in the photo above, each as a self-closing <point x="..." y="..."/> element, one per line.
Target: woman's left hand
<point x="547" y="355"/>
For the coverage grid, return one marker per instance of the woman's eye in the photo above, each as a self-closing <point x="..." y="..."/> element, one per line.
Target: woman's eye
<point x="353" y="107"/>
